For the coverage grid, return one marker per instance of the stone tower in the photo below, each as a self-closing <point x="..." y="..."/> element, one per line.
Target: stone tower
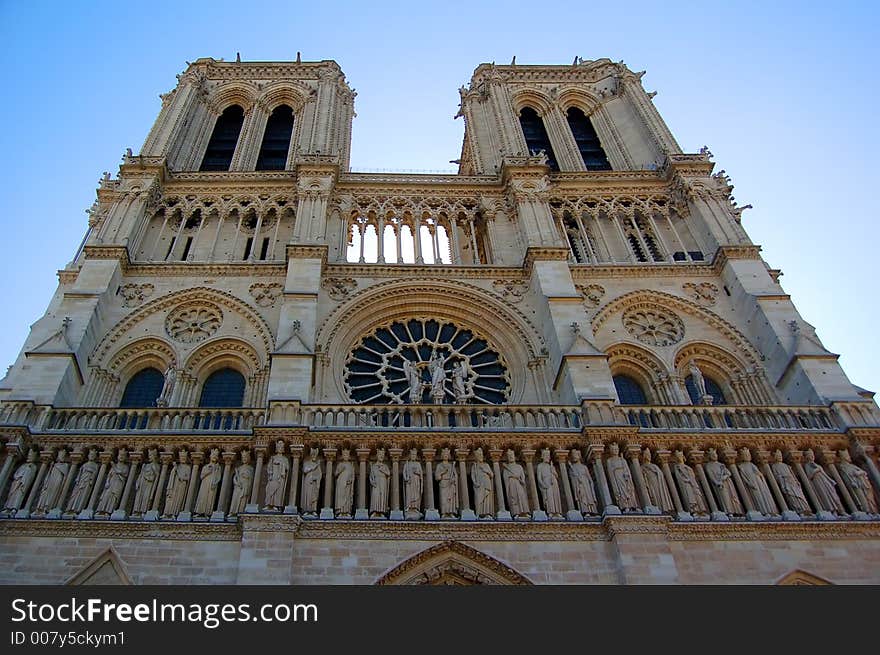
<point x="566" y="363"/>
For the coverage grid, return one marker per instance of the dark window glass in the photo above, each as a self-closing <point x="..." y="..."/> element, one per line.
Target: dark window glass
<point x="629" y="391"/>
<point x="712" y="388"/>
<point x="143" y="389"/>
<point x="223" y="388"/>
<point x="276" y="140"/>
<point x="587" y="141"/>
<point x="536" y="135"/>
<point x="221" y="147"/>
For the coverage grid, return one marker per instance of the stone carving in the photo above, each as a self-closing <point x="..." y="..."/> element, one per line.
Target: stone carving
<point x="414" y="380"/>
<point x="823" y="484"/>
<point x="50" y="494"/>
<point x="311" y="483"/>
<point x="620" y="479"/>
<point x="757" y="484"/>
<point x="277" y="470"/>
<point x="21" y="482"/>
<point x="653" y="326"/>
<point x="113" y="485"/>
<point x="438" y="378"/>
<point x="135" y="294"/>
<point x="178" y="482"/>
<point x="582" y="487"/>
<point x="859" y="483"/>
<point x="339" y="288"/>
<point x="447" y="479"/>
<point x="167" y="387"/>
<point x="242" y="483"/>
<point x="483" y="479"/>
<point x="702" y="293"/>
<point x="145" y="485"/>
<point x="691" y="494"/>
<point x="511" y="290"/>
<point x="548" y="482"/>
<point x="82" y="487"/>
<point x="461" y="372"/>
<point x="789" y="485"/>
<point x="591" y="293"/>
<point x="265" y="295"/>
<point x="209" y="476"/>
<point x="379" y="477"/>
<point x="699" y="383"/>
<point x="655" y="484"/>
<point x="193" y="322"/>
<point x="515" y="485"/>
<point x="344" y="491"/>
<point x="721" y="479"/>
<point x="413" y="486"/>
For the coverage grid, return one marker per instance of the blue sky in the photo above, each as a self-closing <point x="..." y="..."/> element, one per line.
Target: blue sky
<point x="783" y="93"/>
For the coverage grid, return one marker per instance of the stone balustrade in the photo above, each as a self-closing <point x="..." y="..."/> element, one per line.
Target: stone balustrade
<point x="731" y="417"/>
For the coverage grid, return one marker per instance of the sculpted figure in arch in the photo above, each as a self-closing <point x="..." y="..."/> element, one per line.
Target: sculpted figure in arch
<point x="582" y="486"/>
<point x="311" y="483"/>
<point x="113" y="486"/>
<point x="167" y="386"/>
<point x="691" y="494"/>
<point x="414" y="380"/>
<point x="438" y="379"/>
<point x="620" y="479"/>
<point x="242" y="483"/>
<point x="175" y="496"/>
<point x="756" y="483"/>
<point x="721" y="479"/>
<point x="447" y="478"/>
<point x="699" y="382"/>
<point x="547" y="478"/>
<point x="655" y="484"/>
<point x="145" y="485"/>
<point x="460" y="374"/>
<point x="789" y="485"/>
<point x="50" y="494"/>
<point x="344" y="491"/>
<point x="277" y="470"/>
<point x="515" y="485"/>
<point x="380" y="474"/>
<point x="82" y="488"/>
<point x="483" y="479"/>
<point x="413" y="485"/>
<point x="21" y="481"/>
<point x="823" y="484"/>
<point x="859" y="483"/>
<point x="209" y="476"/>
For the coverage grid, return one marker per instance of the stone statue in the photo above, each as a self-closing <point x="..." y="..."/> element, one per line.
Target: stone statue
<point x="483" y="479"/>
<point x="145" y="485"/>
<point x="414" y="380"/>
<point x="413" y="485"/>
<point x="691" y="495"/>
<point x="789" y="485"/>
<point x="209" y="476"/>
<point x="756" y="483"/>
<point x="721" y="479"/>
<point x="380" y="474"/>
<point x="699" y="381"/>
<point x="547" y="478"/>
<point x="515" y="484"/>
<point x="460" y="374"/>
<point x="344" y="490"/>
<point x="82" y="488"/>
<point x="447" y="478"/>
<point x="311" y="483"/>
<point x="178" y="482"/>
<point x="242" y="483"/>
<point x="655" y="484"/>
<point x="50" y="494"/>
<point x="114" y="484"/>
<point x="167" y="386"/>
<point x="582" y="486"/>
<point x="438" y="379"/>
<point x="859" y="483"/>
<point x="823" y="484"/>
<point x="21" y="481"/>
<point x="620" y="479"/>
<point x="277" y="469"/>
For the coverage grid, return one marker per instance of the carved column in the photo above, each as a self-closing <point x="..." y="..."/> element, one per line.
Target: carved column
<point x="295" y="456"/>
<point x="13" y="454"/>
<point x="764" y="463"/>
<point x="395" y="453"/>
<point x="571" y="512"/>
<point x="121" y="512"/>
<point x="253" y="507"/>
<point x="502" y="514"/>
<point x="329" y="458"/>
<point x="431" y="513"/>
<point x="219" y="514"/>
<point x="192" y="488"/>
<point x="76" y="458"/>
<point x="860" y="451"/>
<point x="467" y="514"/>
<point x="89" y="511"/>
<point x="46" y="458"/>
<point x="696" y="458"/>
<point x="830" y="459"/>
<point x="795" y="460"/>
<point x="663" y="456"/>
<point x="594" y="456"/>
<point x="538" y="514"/>
<point x="730" y="459"/>
<point x="165" y="458"/>
<point x="633" y="454"/>
<point x="362" y="512"/>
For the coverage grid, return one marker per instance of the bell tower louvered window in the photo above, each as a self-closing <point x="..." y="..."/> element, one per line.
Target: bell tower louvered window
<point x="536" y="135"/>
<point x="587" y="141"/>
<point x="221" y="147"/>
<point x="276" y="140"/>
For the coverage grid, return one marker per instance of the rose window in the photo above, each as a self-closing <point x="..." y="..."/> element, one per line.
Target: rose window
<point x="193" y="323"/>
<point x="425" y="361"/>
<point x="655" y="327"/>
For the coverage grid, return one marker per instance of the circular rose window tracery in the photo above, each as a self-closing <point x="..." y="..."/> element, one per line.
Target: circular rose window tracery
<point x="193" y="322"/>
<point x="654" y="326"/>
<point x="425" y="361"/>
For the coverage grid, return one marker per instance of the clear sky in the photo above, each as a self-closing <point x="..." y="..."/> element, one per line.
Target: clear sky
<point x="785" y="94"/>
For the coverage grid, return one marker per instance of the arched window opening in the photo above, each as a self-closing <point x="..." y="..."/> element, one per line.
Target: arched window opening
<point x="408" y="255"/>
<point x="143" y="388"/>
<point x="712" y="389"/>
<point x="587" y="141"/>
<point x="224" y="138"/>
<point x="629" y="391"/>
<point x="276" y="140"/>
<point x="536" y="135"/>
<point x="481" y="234"/>
<point x="223" y="388"/>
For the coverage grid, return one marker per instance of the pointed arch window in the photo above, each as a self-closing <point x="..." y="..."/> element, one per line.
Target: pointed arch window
<point x="143" y="388"/>
<point x="223" y="388"/>
<point x="712" y="388"/>
<point x="587" y="140"/>
<point x="536" y="135"/>
<point x="221" y="147"/>
<point x="276" y="140"/>
<point x="629" y="391"/>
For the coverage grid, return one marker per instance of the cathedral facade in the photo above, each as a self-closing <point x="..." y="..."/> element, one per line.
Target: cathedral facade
<point x="567" y="363"/>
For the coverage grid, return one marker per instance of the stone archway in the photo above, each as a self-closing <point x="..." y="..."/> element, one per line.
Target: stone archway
<point x="452" y="563"/>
